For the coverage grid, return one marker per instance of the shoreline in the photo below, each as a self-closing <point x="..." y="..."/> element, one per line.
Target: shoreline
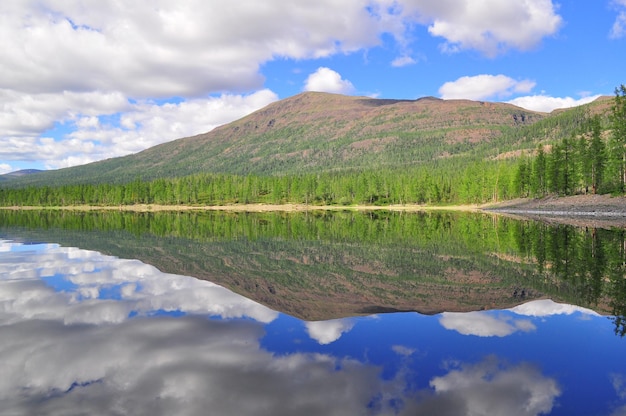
<point x="592" y="211"/>
<point x="596" y="211"/>
<point x="247" y="208"/>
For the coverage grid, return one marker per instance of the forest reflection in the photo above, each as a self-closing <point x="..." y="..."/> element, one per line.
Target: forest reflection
<point x="322" y="265"/>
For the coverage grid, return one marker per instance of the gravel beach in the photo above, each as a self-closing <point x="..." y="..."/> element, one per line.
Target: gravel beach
<point x="581" y="210"/>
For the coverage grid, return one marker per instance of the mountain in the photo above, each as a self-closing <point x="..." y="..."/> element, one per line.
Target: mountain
<point x="316" y="132"/>
<point x="22" y="172"/>
<point x="18" y="174"/>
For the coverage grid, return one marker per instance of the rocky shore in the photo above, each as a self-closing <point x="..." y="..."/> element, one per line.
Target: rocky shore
<point x="581" y="210"/>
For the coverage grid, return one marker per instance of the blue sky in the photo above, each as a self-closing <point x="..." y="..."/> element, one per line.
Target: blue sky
<point x="84" y="81"/>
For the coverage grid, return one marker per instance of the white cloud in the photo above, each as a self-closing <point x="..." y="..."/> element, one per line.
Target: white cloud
<point x="619" y="27"/>
<point x="29" y="114"/>
<point x="489" y="26"/>
<point x="326" y="332"/>
<point x="403" y="61"/>
<point x="142" y="125"/>
<point x="488" y="324"/>
<point x="483" y="324"/>
<point x="162" y="49"/>
<point x="162" y="366"/>
<point x="5" y="168"/>
<point x="144" y="289"/>
<point x="619" y="384"/>
<point x="403" y="351"/>
<point x="327" y="80"/>
<point x="547" y="307"/>
<point x="494" y="388"/>
<point x="480" y="87"/>
<point x="546" y="104"/>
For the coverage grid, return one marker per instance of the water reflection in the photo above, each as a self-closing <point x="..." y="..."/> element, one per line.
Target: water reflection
<point x="497" y="324"/>
<point x="320" y="267"/>
<point x="86" y="333"/>
<point x="80" y="286"/>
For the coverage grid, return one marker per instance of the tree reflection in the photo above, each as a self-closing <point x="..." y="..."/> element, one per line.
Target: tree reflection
<point x="385" y="256"/>
<point x="590" y="261"/>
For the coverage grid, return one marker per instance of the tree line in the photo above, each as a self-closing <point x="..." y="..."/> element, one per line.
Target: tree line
<point x="477" y="182"/>
<point x="589" y="161"/>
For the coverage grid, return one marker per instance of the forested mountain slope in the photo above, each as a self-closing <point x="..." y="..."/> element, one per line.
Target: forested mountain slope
<point x="315" y="132"/>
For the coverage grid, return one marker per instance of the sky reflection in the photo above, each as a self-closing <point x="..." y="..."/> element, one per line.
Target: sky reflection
<point x="85" y="333"/>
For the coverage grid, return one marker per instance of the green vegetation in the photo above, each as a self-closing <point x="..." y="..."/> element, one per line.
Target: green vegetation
<point x="381" y="187"/>
<point x="584" y="161"/>
<point x="312" y="152"/>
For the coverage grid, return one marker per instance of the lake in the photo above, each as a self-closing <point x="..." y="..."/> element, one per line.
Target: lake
<point x="345" y="313"/>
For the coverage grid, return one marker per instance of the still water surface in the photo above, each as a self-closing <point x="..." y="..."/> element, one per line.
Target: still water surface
<point x="84" y="332"/>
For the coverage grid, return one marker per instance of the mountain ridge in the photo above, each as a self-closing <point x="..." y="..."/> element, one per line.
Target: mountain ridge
<point x="316" y="132"/>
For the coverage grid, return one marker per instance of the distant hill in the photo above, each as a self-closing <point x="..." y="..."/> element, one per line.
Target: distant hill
<point x="317" y="132"/>
<point x="19" y="173"/>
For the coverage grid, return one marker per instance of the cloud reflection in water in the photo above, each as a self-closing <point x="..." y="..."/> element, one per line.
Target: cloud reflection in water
<point x="70" y="346"/>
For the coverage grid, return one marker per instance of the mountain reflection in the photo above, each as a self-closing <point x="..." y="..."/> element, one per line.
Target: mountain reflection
<point x="87" y="333"/>
<point x="323" y="266"/>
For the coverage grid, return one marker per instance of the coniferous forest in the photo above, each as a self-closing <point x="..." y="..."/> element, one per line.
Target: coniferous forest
<point x="588" y="161"/>
<point x="587" y="156"/>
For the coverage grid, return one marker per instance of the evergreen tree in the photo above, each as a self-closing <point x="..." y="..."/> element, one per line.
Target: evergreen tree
<point x="597" y="154"/>
<point x="538" y="180"/>
<point x="618" y="142"/>
<point x="522" y="178"/>
<point x="556" y="164"/>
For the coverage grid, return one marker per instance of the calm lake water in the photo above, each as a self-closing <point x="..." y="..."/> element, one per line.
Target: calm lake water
<point x="309" y="314"/>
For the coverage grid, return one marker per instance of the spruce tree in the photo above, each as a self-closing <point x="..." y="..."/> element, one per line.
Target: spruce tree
<point x="597" y="154"/>
<point x="618" y="121"/>
<point x="538" y="180"/>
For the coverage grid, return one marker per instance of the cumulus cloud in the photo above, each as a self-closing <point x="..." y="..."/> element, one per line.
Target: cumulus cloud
<point x="495" y="388"/>
<point x="490" y="26"/>
<point x="547" y="307"/>
<point x="483" y="324"/>
<point x="326" y="332"/>
<point x="327" y="80"/>
<point x="546" y="104"/>
<point x="141" y="125"/>
<point x="480" y="87"/>
<point x="485" y="86"/>
<point x="163" y="49"/>
<point x="164" y="366"/>
<point x="28" y="114"/>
